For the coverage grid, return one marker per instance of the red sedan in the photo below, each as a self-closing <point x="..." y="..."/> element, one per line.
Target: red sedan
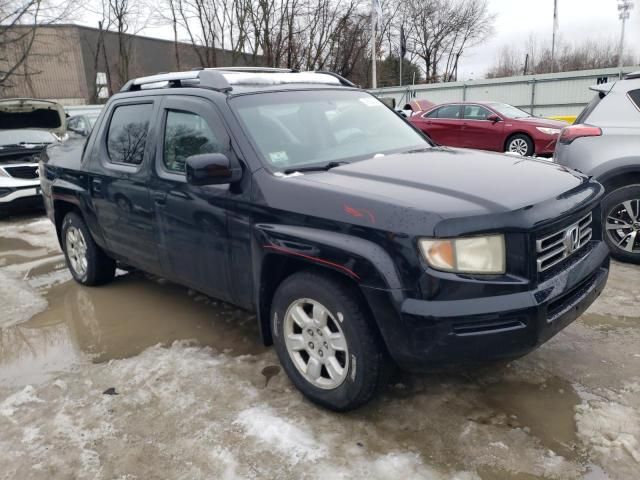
<point x="489" y="126"/>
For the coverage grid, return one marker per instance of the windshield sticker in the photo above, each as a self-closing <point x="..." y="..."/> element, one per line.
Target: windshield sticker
<point x="371" y="102"/>
<point x="279" y="158"/>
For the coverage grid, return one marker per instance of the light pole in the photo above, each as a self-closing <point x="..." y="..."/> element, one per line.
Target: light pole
<point x="553" y="37"/>
<point x="624" y="6"/>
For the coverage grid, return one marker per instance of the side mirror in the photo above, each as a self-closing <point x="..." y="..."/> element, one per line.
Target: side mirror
<point x="80" y="131"/>
<point x="212" y="169"/>
<point x="494" y="118"/>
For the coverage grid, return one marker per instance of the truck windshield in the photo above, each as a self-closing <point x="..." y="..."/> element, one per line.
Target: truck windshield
<point x="297" y="129"/>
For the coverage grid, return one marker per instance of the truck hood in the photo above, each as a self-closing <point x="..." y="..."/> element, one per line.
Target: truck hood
<point x="17" y="113"/>
<point x="454" y="182"/>
<point x="436" y="191"/>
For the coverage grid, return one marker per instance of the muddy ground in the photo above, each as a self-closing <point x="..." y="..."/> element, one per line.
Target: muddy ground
<point x="191" y="393"/>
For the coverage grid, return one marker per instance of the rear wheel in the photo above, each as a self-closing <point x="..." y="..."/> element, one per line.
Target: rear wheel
<point x="88" y="263"/>
<point x="520" y="144"/>
<point x="325" y="341"/>
<point x="621" y="220"/>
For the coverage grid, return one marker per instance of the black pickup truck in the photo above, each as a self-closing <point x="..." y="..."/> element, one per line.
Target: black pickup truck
<point x="358" y="242"/>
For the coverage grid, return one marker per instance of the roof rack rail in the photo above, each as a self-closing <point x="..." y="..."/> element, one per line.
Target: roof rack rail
<point x="341" y="79"/>
<point x="208" y="78"/>
<point x="256" y="69"/>
<point x="632" y="75"/>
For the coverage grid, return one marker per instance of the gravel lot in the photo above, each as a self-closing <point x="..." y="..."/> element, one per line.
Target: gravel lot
<point x="144" y="379"/>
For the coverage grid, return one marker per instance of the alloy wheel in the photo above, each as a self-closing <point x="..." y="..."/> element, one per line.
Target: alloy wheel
<point x="519" y="146"/>
<point x="316" y="343"/>
<point x="76" y="248"/>
<point x="623" y="225"/>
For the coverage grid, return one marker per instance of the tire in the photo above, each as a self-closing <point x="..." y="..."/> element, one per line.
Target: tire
<point x="517" y="143"/>
<point x="87" y="262"/>
<point x="363" y="362"/>
<point x="621" y="208"/>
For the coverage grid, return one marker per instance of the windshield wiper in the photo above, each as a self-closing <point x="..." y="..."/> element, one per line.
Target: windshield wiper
<point x="316" y="168"/>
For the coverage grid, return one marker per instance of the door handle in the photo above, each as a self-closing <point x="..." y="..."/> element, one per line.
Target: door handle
<point x="96" y="185"/>
<point x="160" y="198"/>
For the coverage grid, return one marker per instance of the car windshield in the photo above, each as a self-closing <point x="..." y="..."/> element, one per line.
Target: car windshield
<point x="509" y="111"/>
<point x="25" y="136"/>
<point x="297" y="129"/>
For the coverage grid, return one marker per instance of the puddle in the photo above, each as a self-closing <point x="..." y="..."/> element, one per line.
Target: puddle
<point x="491" y="473"/>
<point x="545" y="410"/>
<point x="17" y="250"/>
<point x="116" y="321"/>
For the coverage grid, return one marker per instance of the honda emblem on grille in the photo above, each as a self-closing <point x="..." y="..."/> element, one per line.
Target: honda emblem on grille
<point x="572" y="239"/>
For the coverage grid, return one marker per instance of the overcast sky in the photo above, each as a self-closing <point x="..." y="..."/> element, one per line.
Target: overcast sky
<point x="577" y="19"/>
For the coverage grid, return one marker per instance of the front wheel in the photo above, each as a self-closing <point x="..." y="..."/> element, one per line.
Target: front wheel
<point x="520" y="144"/>
<point x="325" y="341"/>
<point x="88" y="263"/>
<point x="621" y="212"/>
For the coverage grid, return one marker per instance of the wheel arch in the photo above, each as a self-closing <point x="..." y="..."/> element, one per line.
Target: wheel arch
<point x="620" y="177"/>
<point x="61" y="208"/>
<point x="283" y="250"/>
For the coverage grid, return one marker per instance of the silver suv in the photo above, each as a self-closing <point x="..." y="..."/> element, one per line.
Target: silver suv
<point x="604" y="142"/>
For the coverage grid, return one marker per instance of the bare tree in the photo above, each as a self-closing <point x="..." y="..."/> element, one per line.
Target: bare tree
<point x="585" y="55"/>
<point x="20" y="21"/>
<point x="441" y="30"/>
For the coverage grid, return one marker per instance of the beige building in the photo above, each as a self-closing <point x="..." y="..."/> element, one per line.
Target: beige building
<point x="68" y="64"/>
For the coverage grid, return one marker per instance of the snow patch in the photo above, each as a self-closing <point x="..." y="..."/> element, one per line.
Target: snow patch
<point x="609" y="426"/>
<point x="21" y="302"/>
<point x="262" y="423"/>
<point x="13" y="402"/>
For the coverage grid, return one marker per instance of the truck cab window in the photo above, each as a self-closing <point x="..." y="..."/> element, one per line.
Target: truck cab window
<point x="186" y="134"/>
<point x="127" y="133"/>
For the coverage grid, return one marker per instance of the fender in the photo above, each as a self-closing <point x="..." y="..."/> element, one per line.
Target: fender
<point x="75" y="194"/>
<point x="624" y="167"/>
<point x="365" y="262"/>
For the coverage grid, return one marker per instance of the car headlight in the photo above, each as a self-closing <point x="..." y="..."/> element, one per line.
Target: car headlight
<point x="549" y="131"/>
<point x="484" y="255"/>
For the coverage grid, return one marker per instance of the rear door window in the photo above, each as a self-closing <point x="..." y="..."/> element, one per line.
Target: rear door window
<point x="127" y="135"/>
<point x="634" y="95"/>
<point x="448" y="111"/>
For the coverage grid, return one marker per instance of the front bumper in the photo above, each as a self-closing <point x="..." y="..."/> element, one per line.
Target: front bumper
<point x="545" y="146"/>
<point x="421" y="333"/>
<point x="23" y="198"/>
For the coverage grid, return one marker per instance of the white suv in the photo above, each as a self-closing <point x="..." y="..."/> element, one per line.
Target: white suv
<point x="27" y="126"/>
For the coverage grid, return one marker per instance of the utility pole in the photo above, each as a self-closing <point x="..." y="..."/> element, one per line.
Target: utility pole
<point x="624" y="6"/>
<point x="553" y="38"/>
<point x="374" y="20"/>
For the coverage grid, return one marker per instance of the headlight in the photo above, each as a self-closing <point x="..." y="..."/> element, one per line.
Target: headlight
<point x="465" y="255"/>
<point x="549" y="131"/>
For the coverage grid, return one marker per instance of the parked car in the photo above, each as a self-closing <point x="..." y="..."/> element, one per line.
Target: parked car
<point x="605" y="143"/>
<point x="81" y="125"/>
<point x="415" y="107"/>
<point x="27" y="126"/>
<point x="353" y="238"/>
<point x="490" y="126"/>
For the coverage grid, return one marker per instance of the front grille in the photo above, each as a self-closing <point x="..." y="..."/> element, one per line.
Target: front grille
<point x="27" y="172"/>
<point x="554" y="248"/>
